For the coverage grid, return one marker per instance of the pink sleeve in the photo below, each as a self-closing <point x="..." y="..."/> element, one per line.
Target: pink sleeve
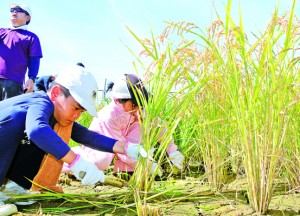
<point x="134" y="136"/>
<point x="111" y="123"/>
<point x="172" y="147"/>
<point x="134" y="133"/>
<point x="126" y="160"/>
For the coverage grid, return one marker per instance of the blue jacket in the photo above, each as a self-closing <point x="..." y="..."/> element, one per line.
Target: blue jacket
<point x="31" y="116"/>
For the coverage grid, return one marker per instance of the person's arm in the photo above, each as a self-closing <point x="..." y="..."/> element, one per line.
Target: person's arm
<point x="69" y="157"/>
<point x="95" y="140"/>
<point x="109" y="123"/>
<point x="175" y="156"/>
<point x="100" y="142"/>
<point x="33" y="69"/>
<point x="172" y="146"/>
<point x="40" y="132"/>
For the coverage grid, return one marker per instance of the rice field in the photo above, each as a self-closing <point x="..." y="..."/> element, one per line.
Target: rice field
<point x="231" y="105"/>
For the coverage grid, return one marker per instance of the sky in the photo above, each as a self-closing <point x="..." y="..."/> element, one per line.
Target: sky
<point x="94" y="31"/>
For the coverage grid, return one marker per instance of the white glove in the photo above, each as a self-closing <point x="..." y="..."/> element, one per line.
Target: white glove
<point x="177" y="159"/>
<point x="153" y="168"/>
<point x="86" y="171"/>
<point x="134" y="150"/>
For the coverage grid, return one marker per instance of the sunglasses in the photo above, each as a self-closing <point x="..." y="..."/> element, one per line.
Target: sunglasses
<point x="19" y="10"/>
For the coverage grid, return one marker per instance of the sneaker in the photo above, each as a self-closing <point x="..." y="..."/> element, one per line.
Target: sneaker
<point x="7" y="209"/>
<point x="12" y="188"/>
<point x="3" y="198"/>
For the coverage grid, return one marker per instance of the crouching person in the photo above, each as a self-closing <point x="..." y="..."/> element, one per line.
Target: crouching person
<point x="121" y="120"/>
<point x="26" y="129"/>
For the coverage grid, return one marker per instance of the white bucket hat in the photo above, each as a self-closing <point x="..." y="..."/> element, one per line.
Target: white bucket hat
<point x="23" y="6"/>
<point x="82" y="86"/>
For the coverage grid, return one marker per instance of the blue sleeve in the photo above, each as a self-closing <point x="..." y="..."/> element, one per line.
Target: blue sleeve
<point x="40" y="132"/>
<point x="33" y="67"/>
<point x="92" y="139"/>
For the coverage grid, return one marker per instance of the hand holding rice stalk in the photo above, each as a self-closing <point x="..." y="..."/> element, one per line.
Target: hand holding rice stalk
<point x="134" y="150"/>
<point x="116" y="182"/>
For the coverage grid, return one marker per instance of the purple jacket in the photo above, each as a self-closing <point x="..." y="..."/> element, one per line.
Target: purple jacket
<point x="16" y="47"/>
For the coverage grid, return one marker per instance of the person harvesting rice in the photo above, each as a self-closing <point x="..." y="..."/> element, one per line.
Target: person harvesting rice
<point x="120" y="120"/>
<point x="26" y="129"/>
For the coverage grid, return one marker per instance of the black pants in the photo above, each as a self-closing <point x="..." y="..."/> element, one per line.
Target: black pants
<point x="25" y="165"/>
<point x="9" y="88"/>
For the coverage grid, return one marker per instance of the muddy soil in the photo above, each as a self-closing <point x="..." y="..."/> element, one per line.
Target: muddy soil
<point x="176" y="196"/>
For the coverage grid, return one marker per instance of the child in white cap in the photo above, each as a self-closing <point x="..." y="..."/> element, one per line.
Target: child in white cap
<point x="27" y="121"/>
<point x="119" y="120"/>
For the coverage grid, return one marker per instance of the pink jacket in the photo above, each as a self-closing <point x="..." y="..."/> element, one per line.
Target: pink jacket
<point x="113" y="122"/>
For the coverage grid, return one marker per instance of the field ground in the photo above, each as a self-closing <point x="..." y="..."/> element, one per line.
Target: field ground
<point x="188" y="197"/>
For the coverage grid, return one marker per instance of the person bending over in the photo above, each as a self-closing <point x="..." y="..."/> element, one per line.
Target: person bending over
<point x="26" y="129"/>
<point x="119" y="120"/>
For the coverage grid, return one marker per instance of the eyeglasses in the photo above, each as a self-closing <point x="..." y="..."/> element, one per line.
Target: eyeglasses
<point x="19" y="10"/>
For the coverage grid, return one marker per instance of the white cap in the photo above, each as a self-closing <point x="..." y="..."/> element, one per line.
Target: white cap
<point x="23" y="6"/>
<point x="120" y="89"/>
<point x="82" y="86"/>
<point x="126" y="87"/>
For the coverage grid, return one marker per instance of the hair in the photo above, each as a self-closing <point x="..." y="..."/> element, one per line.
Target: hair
<point x="64" y="90"/>
<point x="27" y="22"/>
<point x="80" y="64"/>
<point x="124" y="100"/>
<point x="52" y="78"/>
<point x="139" y="89"/>
<point x="109" y="86"/>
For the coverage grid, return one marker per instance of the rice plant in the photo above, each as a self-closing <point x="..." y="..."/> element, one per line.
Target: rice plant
<point x="244" y="90"/>
<point x="161" y="115"/>
<point x="259" y="94"/>
<point x="291" y="161"/>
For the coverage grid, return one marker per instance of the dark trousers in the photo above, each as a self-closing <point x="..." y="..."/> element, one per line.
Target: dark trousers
<point x="25" y="164"/>
<point x="9" y="88"/>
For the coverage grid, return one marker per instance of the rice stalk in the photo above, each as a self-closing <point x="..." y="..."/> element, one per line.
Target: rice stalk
<point x="258" y="99"/>
<point x="163" y="111"/>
